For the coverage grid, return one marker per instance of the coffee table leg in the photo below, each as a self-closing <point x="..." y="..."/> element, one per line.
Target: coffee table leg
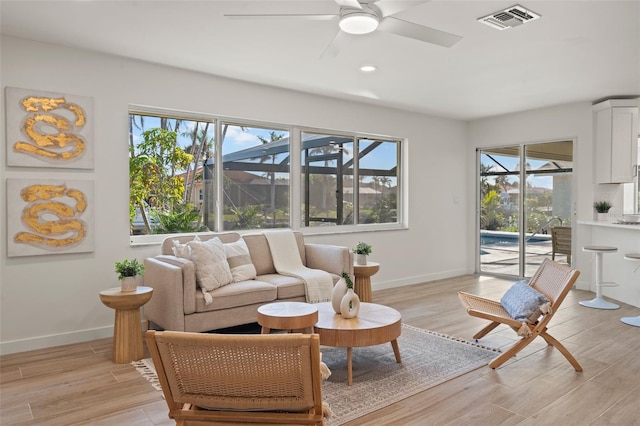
<point x="266" y="330"/>
<point x="349" y="368"/>
<point x="396" y="350"/>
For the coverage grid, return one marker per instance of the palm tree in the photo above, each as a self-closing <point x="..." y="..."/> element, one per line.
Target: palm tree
<point x="200" y="148"/>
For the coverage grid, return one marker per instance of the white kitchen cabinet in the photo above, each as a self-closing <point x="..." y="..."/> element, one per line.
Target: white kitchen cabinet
<point x="616" y="140"/>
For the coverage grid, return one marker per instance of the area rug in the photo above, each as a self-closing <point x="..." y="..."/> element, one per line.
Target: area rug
<point x="428" y="359"/>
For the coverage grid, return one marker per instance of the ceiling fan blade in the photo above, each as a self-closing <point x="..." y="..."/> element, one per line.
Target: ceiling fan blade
<point x="418" y="32"/>
<point x="349" y="3"/>
<point x="364" y="93"/>
<point x="314" y="17"/>
<point x="336" y="45"/>
<point x="391" y="7"/>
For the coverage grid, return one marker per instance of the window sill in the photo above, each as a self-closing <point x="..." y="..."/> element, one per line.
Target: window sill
<point x="157" y="239"/>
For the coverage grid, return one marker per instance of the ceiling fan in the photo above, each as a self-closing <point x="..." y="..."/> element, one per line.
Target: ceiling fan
<point x="365" y="16"/>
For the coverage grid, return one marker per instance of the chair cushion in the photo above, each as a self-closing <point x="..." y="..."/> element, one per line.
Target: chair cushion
<point x="239" y="260"/>
<point x="522" y="302"/>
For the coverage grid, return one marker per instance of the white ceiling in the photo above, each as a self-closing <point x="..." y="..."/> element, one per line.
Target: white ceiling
<point x="577" y="51"/>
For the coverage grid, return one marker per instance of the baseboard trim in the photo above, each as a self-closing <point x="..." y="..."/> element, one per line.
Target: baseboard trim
<point x="417" y="279"/>
<point x="52" y="340"/>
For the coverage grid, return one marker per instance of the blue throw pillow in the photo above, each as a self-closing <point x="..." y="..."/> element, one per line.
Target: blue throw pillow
<point x="522" y="301"/>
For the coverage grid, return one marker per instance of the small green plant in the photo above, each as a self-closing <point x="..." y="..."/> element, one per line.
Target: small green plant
<point x="347" y="279"/>
<point x="362" y="248"/>
<point x="602" y="206"/>
<point x="129" y="268"/>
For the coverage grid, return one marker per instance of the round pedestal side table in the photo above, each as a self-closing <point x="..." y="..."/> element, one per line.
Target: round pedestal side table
<point x="127" y="334"/>
<point x="290" y="316"/>
<point x="363" y="274"/>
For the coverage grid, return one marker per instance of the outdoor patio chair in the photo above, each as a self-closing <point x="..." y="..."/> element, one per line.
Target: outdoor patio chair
<point x="561" y="242"/>
<point x="239" y="378"/>
<point x="552" y="281"/>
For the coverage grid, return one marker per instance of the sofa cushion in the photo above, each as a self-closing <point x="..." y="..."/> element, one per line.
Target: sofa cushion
<point x="212" y="269"/>
<point x="237" y="294"/>
<point x="239" y="261"/>
<point x="168" y="243"/>
<point x="288" y="287"/>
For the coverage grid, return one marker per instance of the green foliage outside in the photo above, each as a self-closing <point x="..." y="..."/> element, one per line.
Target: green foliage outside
<point x="184" y="220"/>
<point x="153" y="167"/>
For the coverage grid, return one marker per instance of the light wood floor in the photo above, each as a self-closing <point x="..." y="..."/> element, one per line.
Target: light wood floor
<point x="78" y="384"/>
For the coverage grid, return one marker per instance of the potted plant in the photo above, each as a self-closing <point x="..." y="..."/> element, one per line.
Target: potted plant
<point x="129" y="273"/>
<point x="602" y="209"/>
<point x="362" y="250"/>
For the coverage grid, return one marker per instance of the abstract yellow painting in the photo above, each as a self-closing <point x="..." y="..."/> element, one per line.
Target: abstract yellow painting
<point x="49" y="216"/>
<point x="46" y="129"/>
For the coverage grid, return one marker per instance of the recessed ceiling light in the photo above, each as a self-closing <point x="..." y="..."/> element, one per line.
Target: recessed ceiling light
<point x="368" y="68"/>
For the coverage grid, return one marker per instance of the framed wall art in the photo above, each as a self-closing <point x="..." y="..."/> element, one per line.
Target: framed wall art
<point x="46" y="129"/>
<point x="49" y="216"/>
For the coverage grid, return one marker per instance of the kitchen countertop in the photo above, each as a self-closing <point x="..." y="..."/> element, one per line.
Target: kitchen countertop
<point x="633" y="227"/>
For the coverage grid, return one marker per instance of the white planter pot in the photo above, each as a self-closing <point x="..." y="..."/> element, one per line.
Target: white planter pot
<point x="130" y="283"/>
<point x="361" y="259"/>
<point x="602" y="217"/>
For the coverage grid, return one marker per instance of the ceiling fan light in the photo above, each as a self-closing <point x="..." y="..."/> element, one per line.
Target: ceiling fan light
<point x="358" y="22"/>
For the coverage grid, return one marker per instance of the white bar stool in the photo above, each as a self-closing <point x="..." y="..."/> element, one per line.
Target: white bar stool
<point x="598" y="302"/>
<point x="634" y="321"/>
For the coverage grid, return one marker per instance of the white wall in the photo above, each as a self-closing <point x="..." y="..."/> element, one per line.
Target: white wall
<point x="564" y="122"/>
<point x="52" y="300"/>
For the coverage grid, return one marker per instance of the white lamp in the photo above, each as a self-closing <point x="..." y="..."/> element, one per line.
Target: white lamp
<point x="356" y="21"/>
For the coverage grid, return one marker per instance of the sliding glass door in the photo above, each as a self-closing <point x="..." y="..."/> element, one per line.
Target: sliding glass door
<point x="519" y="207"/>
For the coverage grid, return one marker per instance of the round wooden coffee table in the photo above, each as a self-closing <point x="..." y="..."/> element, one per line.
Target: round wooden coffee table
<point x="374" y="325"/>
<point x="287" y="316"/>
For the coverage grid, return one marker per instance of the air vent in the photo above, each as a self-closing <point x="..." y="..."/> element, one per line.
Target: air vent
<point x="510" y="17"/>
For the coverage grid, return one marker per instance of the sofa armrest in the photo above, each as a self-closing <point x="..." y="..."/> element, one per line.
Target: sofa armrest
<point x="333" y="259"/>
<point x="173" y="283"/>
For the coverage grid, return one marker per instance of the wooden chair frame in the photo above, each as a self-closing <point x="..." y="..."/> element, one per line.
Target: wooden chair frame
<point x="239" y="378"/>
<point x="561" y="242"/>
<point x="551" y="279"/>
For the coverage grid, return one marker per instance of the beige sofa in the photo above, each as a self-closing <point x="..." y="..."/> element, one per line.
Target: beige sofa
<point x="178" y="304"/>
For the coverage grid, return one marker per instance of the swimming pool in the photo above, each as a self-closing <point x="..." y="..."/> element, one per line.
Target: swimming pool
<point x="509" y="238"/>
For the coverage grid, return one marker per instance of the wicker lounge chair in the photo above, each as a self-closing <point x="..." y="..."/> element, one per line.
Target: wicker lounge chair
<point x="552" y="280"/>
<point x="239" y="378"/>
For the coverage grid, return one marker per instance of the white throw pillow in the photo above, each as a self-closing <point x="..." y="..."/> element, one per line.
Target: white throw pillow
<point x="239" y="261"/>
<point x="180" y="250"/>
<point x="212" y="269"/>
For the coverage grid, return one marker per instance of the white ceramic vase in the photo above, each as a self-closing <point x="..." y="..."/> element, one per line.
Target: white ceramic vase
<point x="337" y="294"/>
<point x="130" y="283"/>
<point x="361" y="259"/>
<point x="350" y="304"/>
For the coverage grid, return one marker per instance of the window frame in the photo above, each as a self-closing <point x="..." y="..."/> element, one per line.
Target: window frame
<point x="296" y="189"/>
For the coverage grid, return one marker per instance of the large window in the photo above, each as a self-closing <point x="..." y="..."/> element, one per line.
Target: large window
<point x="255" y="167"/>
<point x="196" y="173"/>
<point x="165" y="173"/>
